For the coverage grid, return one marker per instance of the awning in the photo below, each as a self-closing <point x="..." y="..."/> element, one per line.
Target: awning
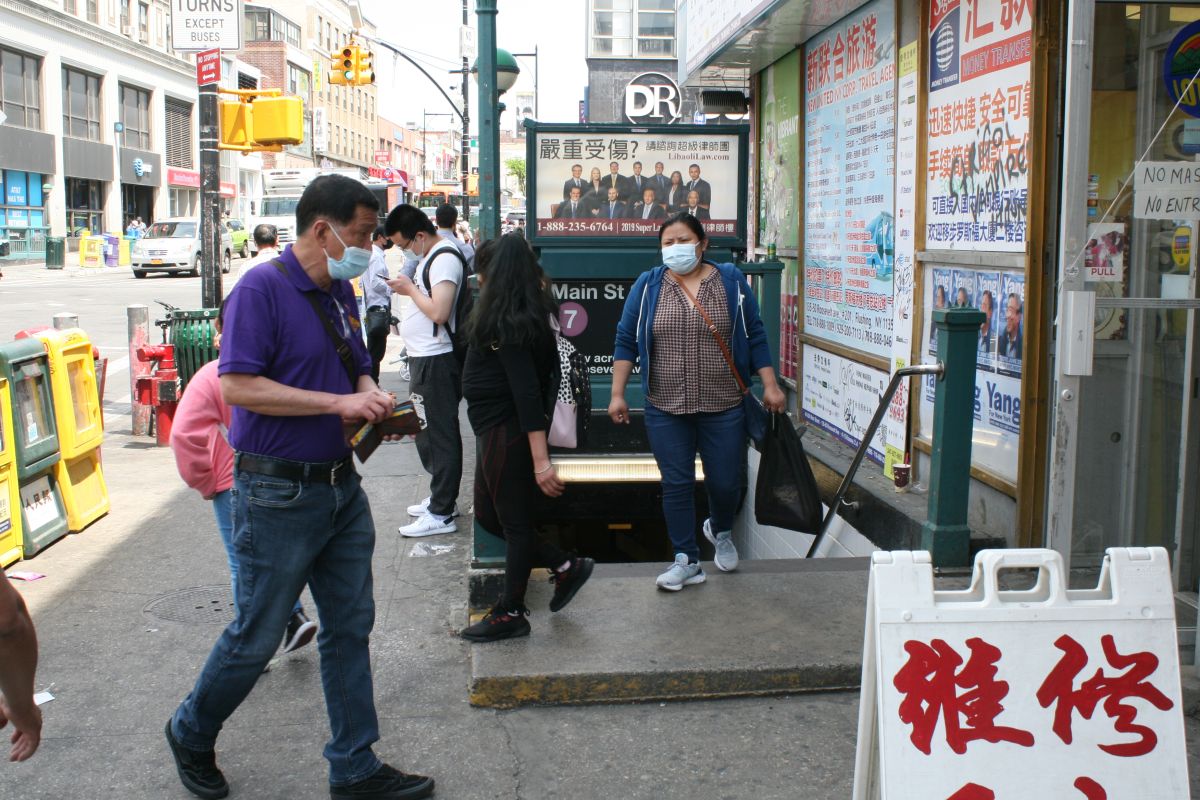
<point x="724" y="40"/>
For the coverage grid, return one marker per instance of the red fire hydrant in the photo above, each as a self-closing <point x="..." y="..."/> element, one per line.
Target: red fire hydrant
<point x="160" y="389"/>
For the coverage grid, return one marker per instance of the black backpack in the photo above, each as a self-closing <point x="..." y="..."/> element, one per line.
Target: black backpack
<point x="463" y="303"/>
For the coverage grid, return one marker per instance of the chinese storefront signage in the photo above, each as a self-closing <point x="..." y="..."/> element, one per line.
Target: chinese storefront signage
<point x="850" y="133"/>
<point x="994" y="694"/>
<point x="619" y="184"/>
<point x="978" y="124"/>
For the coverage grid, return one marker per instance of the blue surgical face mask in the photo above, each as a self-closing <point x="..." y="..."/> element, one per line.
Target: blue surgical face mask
<point x="680" y="258"/>
<point x="354" y="261"/>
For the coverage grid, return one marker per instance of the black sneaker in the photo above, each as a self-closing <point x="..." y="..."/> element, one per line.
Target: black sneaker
<point x="388" y="783"/>
<point x="300" y="631"/>
<point x="569" y="581"/>
<point x="498" y="624"/>
<point x="198" y="770"/>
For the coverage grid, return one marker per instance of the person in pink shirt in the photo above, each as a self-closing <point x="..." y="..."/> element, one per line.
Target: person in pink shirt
<point x="200" y="441"/>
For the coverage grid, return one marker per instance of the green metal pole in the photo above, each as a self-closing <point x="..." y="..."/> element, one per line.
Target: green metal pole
<point x="489" y="122"/>
<point x="946" y="534"/>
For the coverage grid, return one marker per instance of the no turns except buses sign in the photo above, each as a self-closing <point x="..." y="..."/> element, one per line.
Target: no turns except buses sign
<point x="205" y="24"/>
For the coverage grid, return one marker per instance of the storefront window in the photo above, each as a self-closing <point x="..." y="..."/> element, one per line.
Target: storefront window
<point x="1135" y="460"/>
<point x="85" y="210"/>
<point x="22" y="211"/>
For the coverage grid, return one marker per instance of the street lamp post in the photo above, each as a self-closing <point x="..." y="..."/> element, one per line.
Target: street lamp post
<point x="496" y="71"/>
<point x="534" y="56"/>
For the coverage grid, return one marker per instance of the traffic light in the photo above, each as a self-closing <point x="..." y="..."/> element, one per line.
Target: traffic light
<point x="278" y="120"/>
<point x="237" y="124"/>
<point x="364" y="68"/>
<point x="342" y="66"/>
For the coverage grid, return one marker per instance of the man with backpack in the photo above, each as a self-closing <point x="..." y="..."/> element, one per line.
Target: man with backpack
<point x="432" y="333"/>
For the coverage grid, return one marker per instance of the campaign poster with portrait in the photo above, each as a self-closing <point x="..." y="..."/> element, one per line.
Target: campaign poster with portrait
<point x="962" y="285"/>
<point x="977" y="170"/>
<point x="997" y="406"/>
<point x="1010" y="342"/>
<point x="610" y="182"/>
<point x="849" y="180"/>
<point x="940" y="281"/>
<point x="987" y="293"/>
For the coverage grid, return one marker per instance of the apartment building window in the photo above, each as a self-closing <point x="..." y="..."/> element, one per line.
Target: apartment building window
<point x="84" y="207"/>
<point x="297" y="82"/>
<point x="135" y="117"/>
<point x="179" y="134"/>
<point x="21" y="93"/>
<point x="126" y="16"/>
<point x="93" y="11"/>
<point x="265" y="25"/>
<point x="81" y="105"/>
<point x="144" y="23"/>
<point x="69" y="7"/>
<point x="632" y="28"/>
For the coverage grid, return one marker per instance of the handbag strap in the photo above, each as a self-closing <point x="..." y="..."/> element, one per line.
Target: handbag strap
<point x="339" y="344"/>
<point x="712" y="328"/>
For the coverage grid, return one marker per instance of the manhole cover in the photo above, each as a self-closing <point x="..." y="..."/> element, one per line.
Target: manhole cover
<point x="201" y="605"/>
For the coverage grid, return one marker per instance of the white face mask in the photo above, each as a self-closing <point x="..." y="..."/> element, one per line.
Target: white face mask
<point x="681" y="258"/>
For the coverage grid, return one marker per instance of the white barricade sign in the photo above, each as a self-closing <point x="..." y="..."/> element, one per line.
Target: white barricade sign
<point x="1045" y="693"/>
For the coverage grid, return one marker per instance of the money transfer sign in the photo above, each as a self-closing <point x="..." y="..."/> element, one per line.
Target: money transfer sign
<point x="206" y="24"/>
<point x="610" y="182"/>
<point x="849" y="230"/>
<point x="978" y="126"/>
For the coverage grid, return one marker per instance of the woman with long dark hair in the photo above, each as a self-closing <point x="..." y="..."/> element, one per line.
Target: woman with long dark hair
<point x="510" y="381"/>
<point x="680" y="320"/>
<point x="676" y="193"/>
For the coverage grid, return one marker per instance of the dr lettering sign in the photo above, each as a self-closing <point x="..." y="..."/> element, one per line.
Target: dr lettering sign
<point x="206" y="24"/>
<point x="652" y="98"/>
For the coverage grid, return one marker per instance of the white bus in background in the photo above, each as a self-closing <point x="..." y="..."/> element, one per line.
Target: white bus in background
<point x="282" y="189"/>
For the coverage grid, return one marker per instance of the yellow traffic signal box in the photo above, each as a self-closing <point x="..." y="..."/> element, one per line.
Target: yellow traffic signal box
<point x="279" y="120"/>
<point x="364" y="68"/>
<point x="341" y="67"/>
<point x="237" y="123"/>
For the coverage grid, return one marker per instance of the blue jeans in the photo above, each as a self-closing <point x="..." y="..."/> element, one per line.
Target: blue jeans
<point x="223" y="510"/>
<point x="721" y="441"/>
<point x="285" y="534"/>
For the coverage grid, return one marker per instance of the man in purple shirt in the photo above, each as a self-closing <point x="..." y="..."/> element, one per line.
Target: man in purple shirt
<point x="297" y="377"/>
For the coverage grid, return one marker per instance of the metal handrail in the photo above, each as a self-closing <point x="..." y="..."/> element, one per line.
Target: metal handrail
<point x="839" y="497"/>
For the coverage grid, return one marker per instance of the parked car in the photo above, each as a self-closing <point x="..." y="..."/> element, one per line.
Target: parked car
<point x="240" y="236"/>
<point x="173" y="245"/>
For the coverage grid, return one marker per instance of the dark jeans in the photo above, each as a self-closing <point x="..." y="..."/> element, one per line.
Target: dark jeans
<point x="721" y="441"/>
<point x="287" y="533"/>
<point x="506" y="496"/>
<point x="438" y="380"/>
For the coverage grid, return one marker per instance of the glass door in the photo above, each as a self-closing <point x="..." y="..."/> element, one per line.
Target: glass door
<point x="1124" y="455"/>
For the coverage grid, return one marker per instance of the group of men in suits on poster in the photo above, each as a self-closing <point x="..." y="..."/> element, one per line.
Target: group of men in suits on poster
<point x="636" y="196"/>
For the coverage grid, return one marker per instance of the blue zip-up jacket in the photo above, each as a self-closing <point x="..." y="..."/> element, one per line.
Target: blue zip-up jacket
<point x="635" y="332"/>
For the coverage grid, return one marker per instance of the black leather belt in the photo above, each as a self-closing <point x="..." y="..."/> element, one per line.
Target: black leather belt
<point x="331" y="472"/>
<point x="377" y="308"/>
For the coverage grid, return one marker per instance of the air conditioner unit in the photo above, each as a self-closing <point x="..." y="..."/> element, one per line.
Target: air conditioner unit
<point x="127" y="30"/>
<point x="723" y="101"/>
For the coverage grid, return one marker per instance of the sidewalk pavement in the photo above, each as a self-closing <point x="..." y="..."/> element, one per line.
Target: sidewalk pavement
<point x="129" y="609"/>
<point x="117" y="668"/>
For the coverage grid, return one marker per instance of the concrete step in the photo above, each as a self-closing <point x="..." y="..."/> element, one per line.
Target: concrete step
<point x="772" y="627"/>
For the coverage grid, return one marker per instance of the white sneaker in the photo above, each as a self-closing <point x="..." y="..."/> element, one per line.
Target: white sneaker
<point x="726" y="556"/>
<point x="428" y="525"/>
<point x="422" y="508"/>
<point x="680" y="574"/>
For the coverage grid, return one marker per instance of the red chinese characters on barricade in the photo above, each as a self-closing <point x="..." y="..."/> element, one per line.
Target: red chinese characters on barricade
<point x="966" y="696"/>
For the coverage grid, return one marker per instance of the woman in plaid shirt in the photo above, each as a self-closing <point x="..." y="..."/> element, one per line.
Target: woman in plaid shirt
<point x="693" y="402"/>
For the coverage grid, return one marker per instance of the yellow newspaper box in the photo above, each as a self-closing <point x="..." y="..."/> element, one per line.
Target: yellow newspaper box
<point x="11" y="540"/>
<point x="80" y="427"/>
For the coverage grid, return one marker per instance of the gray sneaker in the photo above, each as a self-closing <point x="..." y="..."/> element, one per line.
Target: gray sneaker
<point x="680" y="574"/>
<point x="726" y="557"/>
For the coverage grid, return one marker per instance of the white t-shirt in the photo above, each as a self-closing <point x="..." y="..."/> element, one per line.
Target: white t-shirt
<point x="417" y="329"/>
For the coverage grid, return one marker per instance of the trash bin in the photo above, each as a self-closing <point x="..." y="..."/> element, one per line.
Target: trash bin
<point x="192" y="334"/>
<point x="56" y="252"/>
<point x="111" y="249"/>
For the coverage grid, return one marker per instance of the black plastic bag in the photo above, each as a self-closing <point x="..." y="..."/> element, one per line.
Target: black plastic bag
<point x="786" y="495"/>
